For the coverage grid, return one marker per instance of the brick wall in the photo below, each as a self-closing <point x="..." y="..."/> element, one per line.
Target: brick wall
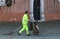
<point x="52" y="10"/>
<point x="15" y="11"/>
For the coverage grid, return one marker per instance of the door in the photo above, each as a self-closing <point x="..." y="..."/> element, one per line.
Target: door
<point x="36" y="9"/>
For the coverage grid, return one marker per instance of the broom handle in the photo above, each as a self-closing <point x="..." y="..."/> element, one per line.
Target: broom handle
<point x="18" y="28"/>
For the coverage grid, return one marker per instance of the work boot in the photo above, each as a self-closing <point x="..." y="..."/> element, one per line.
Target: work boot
<point x="19" y="34"/>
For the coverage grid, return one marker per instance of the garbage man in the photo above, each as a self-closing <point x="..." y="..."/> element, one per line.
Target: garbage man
<point x="25" y="24"/>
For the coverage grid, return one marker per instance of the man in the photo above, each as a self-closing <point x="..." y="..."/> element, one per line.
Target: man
<point x="25" y="24"/>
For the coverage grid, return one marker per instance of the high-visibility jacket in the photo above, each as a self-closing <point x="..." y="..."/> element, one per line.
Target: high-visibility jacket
<point x="25" y="19"/>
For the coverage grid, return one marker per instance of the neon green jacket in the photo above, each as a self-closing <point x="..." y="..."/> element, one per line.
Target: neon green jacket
<point x="25" y="19"/>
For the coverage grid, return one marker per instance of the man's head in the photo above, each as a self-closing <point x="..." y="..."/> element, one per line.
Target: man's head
<point x="26" y="12"/>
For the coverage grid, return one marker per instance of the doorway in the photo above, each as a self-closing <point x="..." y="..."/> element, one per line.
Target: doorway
<point x="36" y="10"/>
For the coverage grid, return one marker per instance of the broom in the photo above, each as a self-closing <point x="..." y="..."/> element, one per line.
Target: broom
<point x="13" y="31"/>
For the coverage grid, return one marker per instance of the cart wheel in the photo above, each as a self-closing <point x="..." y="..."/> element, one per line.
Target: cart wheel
<point x="34" y="33"/>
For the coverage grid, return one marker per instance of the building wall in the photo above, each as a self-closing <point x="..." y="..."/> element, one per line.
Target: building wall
<point x="52" y="10"/>
<point x="15" y="11"/>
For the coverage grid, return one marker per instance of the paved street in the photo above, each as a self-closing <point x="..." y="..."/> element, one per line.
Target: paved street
<point x="48" y="30"/>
